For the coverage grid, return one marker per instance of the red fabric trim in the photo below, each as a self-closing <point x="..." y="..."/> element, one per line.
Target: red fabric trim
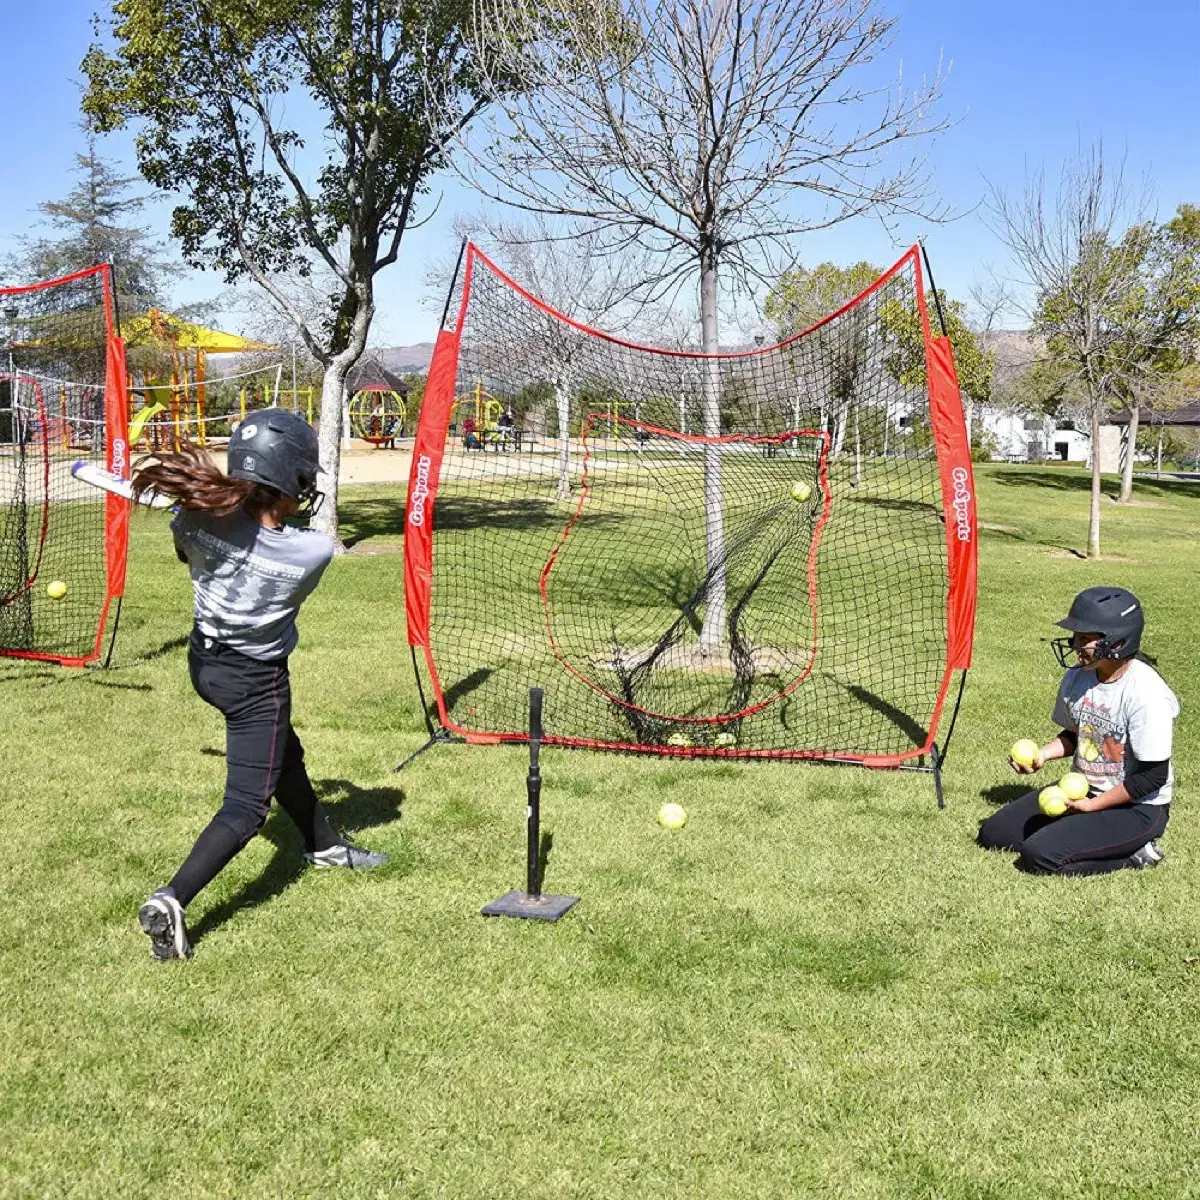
<point x="41" y="285"/>
<point x="473" y="251"/>
<point x="423" y="477"/>
<point x="61" y="660"/>
<point x="827" y="756"/>
<point x="959" y="514"/>
<point x="777" y="439"/>
<point x="116" y="508"/>
<point x="958" y="500"/>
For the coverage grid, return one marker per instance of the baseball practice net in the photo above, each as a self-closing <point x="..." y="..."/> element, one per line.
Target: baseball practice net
<point x="759" y="554"/>
<point x="62" y="399"/>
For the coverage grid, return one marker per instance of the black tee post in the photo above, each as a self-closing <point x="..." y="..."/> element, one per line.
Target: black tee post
<point x="531" y="903"/>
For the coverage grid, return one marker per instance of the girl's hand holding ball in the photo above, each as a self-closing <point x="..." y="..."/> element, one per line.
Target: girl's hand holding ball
<point x="1025" y="757"/>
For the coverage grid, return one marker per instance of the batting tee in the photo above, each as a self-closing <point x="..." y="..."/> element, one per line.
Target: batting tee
<point x="62" y="399"/>
<point x="762" y="554"/>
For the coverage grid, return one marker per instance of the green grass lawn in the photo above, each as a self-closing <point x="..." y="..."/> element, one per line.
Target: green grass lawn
<point x="819" y="988"/>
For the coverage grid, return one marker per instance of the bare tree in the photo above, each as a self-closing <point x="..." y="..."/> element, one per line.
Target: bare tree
<point x="710" y="132"/>
<point x="571" y="270"/>
<point x="1080" y="249"/>
<point x="990" y="300"/>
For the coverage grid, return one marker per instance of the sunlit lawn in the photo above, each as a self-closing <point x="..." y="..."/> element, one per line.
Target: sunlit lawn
<point x="819" y="988"/>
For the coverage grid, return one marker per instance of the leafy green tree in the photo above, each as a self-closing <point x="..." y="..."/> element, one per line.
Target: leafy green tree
<point x="800" y="299"/>
<point x="1163" y="316"/>
<point x="906" y="360"/>
<point x="209" y="84"/>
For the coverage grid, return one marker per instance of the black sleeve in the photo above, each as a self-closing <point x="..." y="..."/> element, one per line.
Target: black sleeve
<point x="1149" y="777"/>
<point x="1069" y="739"/>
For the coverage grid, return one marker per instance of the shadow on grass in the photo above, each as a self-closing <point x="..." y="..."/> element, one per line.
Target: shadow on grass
<point x="358" y="808"/>
<point x="17" y="675"/>
<point x="381" y="516"/>
<point x="921" y="507"/>
<point x="911" y="729"/>
<point x="1004" y="793"/>
<point x="1081" y="481"/>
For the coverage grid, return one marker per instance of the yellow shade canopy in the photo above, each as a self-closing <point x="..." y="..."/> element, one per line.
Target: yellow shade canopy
<point x="150" y="328"/>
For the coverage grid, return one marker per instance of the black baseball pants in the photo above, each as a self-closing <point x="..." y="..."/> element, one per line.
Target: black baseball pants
<point x="1074" y="844"/>
<point x="263" y="759"/>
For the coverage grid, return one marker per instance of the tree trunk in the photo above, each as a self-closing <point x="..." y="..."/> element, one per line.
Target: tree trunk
<point x="562" y="400"/>
<point x="1130" y="446"/>
<point x="332" y="402"/>
<point x="1158" y="456"/>
<point x="1093" y="542"/>
<point x="712" y="632"/>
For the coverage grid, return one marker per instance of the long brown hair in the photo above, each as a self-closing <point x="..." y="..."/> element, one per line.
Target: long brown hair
<point x="193" y="479"/>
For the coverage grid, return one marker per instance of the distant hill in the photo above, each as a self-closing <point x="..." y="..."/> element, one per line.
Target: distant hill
<point x="1015" y="350"/>
<point x="404" y="358"/>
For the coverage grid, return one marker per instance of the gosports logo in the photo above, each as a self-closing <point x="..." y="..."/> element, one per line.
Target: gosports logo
<point x="962" y="503"/>
<point x="416" y="515"/>
<point x="119" y="463"/>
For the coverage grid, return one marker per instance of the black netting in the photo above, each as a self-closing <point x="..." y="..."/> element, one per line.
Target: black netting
<point x="53" y="343"/>
<point x="743" y="553"/>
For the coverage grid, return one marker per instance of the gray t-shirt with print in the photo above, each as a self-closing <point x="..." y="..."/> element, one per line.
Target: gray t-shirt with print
<point x="1120" y="724"/>
<point x="248" y="581"/>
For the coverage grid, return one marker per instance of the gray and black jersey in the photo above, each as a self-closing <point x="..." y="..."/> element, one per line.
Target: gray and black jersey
<point x="249" y="581"/>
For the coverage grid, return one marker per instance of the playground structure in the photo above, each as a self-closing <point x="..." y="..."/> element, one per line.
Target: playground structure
<point x="179" y="401"/>
<point x="377" y="402"/>
<point x="477" y="405"/>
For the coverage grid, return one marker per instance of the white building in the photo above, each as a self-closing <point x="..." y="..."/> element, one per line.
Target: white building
<point x="1034" y="438"/>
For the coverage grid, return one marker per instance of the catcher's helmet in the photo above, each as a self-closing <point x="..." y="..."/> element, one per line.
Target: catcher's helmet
<point x="1114" y="613"/>
<point x="279" y="449"/>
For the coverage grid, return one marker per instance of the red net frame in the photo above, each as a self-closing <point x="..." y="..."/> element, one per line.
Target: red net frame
<point x="481" y="345"/>
<point x="64" y="400"/>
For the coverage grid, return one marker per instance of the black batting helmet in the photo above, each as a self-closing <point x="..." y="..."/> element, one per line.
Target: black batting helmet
<point x="1112" y="612"/>
<point x="279" y="449"/>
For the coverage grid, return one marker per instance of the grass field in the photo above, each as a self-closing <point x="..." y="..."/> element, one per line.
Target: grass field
<point x="819" y="988"/>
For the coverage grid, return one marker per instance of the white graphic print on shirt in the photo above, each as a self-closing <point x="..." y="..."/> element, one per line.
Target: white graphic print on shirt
<point x="1120" y="724"/>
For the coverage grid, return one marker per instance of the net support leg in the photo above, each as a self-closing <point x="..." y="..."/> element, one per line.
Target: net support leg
<point x="936" y="762"/>
<point x="532" y="904"/>
<point x="438" y="738"/>
<point x="437" y="735"/>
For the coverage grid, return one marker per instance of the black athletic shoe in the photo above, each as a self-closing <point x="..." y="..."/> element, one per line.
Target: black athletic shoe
<point x="162" y="919"/>
<point x="1148" y="856"/>
<point x="346" y="855"/>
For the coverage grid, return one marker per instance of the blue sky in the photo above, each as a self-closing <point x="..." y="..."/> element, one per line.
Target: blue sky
<point x="1029" y="81"/>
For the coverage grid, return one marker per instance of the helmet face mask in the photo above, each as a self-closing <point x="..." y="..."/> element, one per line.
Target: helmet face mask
<point x="1111" y="614"/>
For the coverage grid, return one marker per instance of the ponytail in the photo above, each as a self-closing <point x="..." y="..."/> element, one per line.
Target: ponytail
<point x="190" y="476"/>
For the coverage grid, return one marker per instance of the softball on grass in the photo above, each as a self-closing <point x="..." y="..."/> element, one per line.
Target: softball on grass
<point x="56" y="589"/>
<point x="679" y="739"/>
<point x="1024" y="752"/>
<point x="672" y="816"/>
<point x="1052" y="800"/>
<point x="1074" y="785"/>
<point x="725" y="739"/>
<point x="800" y="491"/>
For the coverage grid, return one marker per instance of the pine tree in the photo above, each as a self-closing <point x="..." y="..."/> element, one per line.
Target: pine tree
<point x="93" y="225"/>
